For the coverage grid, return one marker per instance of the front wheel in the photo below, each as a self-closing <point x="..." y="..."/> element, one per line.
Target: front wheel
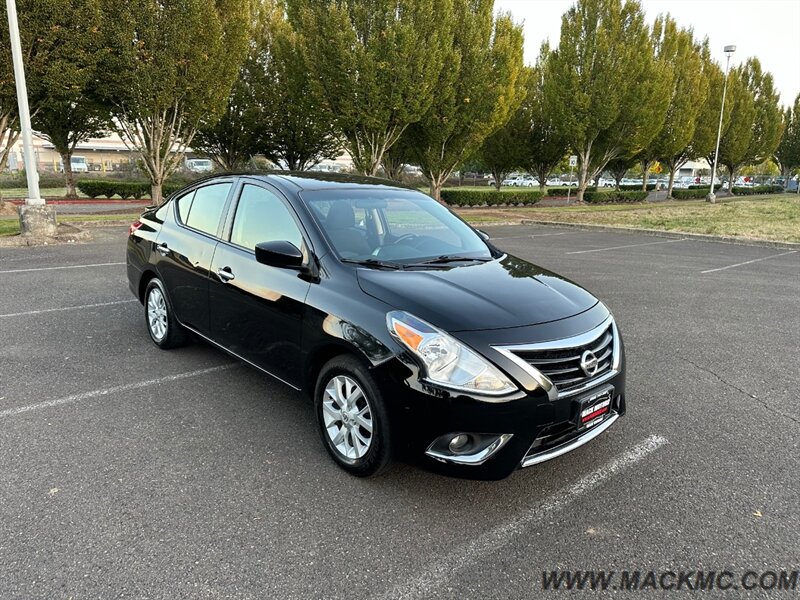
<point x="352" y="417"/>
<point x="164" y="330"/>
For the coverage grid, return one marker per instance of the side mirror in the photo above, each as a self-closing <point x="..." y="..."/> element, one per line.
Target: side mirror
<point x="483" y="234"/>
<point x="282" y="254"/>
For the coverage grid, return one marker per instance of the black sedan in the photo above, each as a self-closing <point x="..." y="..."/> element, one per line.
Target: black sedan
<point x="415" y="336"/>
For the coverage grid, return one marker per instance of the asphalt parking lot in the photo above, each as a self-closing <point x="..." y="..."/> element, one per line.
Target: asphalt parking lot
<point x="126" y="471"/>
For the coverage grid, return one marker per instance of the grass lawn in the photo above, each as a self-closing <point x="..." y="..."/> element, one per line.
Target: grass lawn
<point x="57" y="192"/>
<point x="773" y="217"/>
<point x="10" y="225"/>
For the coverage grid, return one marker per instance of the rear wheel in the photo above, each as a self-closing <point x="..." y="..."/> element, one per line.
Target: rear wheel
<point x="164" y="330"/>
<point x="352" y="417"/>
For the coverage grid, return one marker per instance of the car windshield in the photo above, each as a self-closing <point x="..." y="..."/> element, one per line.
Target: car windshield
<point x="393" y="227"/>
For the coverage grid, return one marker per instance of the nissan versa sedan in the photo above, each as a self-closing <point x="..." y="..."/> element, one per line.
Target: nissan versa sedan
<point x="416" y="337"/>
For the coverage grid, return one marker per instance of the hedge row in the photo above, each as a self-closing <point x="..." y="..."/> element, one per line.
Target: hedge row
<point x="698" y="193"/>
<point x="109" y="188"/>
<point x="689" y="194"/>
<point x="757" y="189"/>
<point x="456" y="197"/>
<point x="637" y="187"/>
<point x="562" y="191"/>
<point x="704" y="187"/>
<point x="614" y="196"/>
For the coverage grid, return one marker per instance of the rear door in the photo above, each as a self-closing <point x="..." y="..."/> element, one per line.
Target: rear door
<point x="185" y="250"/>
<point x="257" y="310"/>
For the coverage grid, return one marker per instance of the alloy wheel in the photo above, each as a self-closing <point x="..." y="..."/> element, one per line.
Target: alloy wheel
<point x="157" y="314"/>
<point x="348" y="417"/>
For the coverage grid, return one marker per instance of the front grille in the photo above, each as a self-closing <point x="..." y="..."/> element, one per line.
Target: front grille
<point x="563" y="365"/>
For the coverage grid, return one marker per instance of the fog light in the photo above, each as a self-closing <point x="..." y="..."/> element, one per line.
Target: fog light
<point x="458" y="442"/>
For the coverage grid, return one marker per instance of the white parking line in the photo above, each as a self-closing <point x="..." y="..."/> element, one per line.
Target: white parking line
<point x="18" y="410"/>
<point x="477" y="551"/>
<point x="747" y="262"/>
<point x="63" y="267"/>
<point x="530" y="235"/>
<point x="627" y="246"/>
<point x="51" y="310"/>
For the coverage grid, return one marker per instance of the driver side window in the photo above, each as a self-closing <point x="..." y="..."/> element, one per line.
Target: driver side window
<point x="263" y="217"/>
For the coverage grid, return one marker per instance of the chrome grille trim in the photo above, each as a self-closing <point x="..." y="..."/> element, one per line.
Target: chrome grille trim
<point x="597" y="340"/>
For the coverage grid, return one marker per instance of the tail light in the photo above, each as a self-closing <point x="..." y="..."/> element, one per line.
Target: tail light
<point x="134" y="226"/>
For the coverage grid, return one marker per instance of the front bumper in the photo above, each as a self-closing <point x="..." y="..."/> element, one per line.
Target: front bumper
<point x="541" y="424"/>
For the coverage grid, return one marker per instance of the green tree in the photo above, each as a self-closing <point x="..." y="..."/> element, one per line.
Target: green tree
<point x="787" y="153"/>
<point x="506" y="150"/>
<point x="756" y="119"/>
<point x="376" y="64"/>
<point x="704" y="134"/>
<point x="59" y="46"/>
<point x="396" y="158"/>
<point x="686" y="94"/>
<point x="479" y="90"/>
<point x="68" y="111"/>
<point x="611" y="89"/>
<point x="170" y="66"/>
<point x="548" y="140"/>
<point x="297" y="128"/>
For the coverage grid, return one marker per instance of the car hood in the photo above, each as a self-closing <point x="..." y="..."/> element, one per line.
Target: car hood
<point x="507" y="292"/>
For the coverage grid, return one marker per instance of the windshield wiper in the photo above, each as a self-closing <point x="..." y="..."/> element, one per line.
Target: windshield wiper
<point x="449" y="258"/>
<point x="374" y="262"/>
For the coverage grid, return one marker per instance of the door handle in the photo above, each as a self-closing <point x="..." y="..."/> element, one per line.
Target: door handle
<point x="225" y="274"/>
<point x="163" y="249"/>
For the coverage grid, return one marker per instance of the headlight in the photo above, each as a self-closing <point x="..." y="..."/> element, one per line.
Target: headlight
<point x="447" y="361"/>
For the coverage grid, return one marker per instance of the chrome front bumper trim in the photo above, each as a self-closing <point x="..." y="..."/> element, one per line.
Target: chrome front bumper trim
<point x="474" y="459"/>
<point x="570" y="445"/>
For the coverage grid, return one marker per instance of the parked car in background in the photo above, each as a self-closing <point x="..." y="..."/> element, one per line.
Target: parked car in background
<point x="554" y="182"/>
<point x="408" y="328"/>
<point x="199" y="165"/>
<point x="604" y="182"/>
<point x="79" y="164"/>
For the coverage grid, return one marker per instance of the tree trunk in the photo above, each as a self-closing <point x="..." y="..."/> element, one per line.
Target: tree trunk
<point x="671" y="182"/>
<point x="645" y="167"/>
<point x="732" y="171"/>
<point x="156" y="193"/>
<point x="498" y="180"/>
<point x="69" y="176"/>
<point x="436" y="187"/>
<point x="583" y="176"/>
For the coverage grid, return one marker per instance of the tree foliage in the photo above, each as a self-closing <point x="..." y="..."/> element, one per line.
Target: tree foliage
<point x="479" y="90"/>
<point x="59" y="40"/>
<point x="611" y="89"/>
<point x="756" y="119"/>
<point x="376" y="65"/>
<point x="68" y="111"/>
<point x="169" y="67"/>
<point x="677" y="49"/>
<point x="548" y="138"/>
<point x="787" y="154"/>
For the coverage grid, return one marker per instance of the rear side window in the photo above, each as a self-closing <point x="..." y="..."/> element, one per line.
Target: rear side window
<point x="206" y="208"/>
<point x="184" y="204"/>
<point x="262" y="217"/>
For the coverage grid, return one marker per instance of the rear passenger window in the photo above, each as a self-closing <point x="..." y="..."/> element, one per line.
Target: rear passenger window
<point x="206" y="208"/>
<point x="184" y="204"/>
<point x="262" y="217"/>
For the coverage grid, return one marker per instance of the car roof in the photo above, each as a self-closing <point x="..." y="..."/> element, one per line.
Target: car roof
<point x="310" y="180"/>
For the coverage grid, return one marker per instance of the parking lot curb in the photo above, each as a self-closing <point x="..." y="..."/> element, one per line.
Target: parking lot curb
<point x="700" y="237"/>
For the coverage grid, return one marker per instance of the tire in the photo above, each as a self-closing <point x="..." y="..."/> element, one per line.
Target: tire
<point x="334" y="391"/>
<point x="159" y="318"/>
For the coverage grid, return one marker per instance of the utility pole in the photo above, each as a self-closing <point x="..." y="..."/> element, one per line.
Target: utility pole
<point x="712" y="197"/>
<point x="35" y="217"/>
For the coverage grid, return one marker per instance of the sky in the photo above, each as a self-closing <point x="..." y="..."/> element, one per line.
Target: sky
<point x="768" y="29"/>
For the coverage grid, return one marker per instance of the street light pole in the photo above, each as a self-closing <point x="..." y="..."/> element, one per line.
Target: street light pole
<point x="34" y="197"/>
<point x="729" y="50"/>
